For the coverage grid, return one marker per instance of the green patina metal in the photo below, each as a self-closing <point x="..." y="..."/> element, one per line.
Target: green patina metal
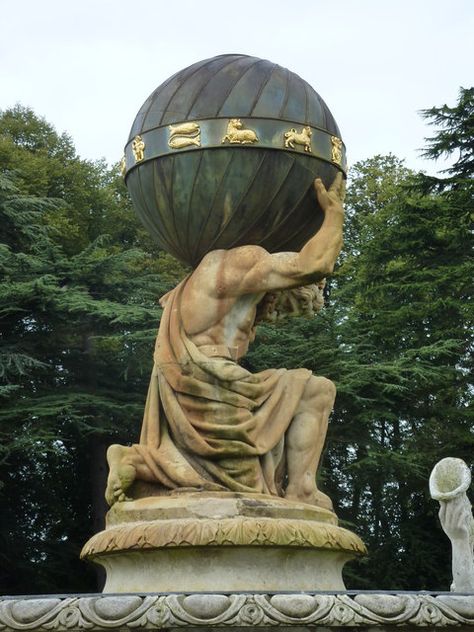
<point x="204" y="191"/>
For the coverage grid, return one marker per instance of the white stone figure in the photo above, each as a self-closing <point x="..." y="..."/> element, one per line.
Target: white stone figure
<point x="449" y="480"/>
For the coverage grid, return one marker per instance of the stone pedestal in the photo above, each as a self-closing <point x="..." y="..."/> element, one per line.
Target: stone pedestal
<point x="205" y="542"/>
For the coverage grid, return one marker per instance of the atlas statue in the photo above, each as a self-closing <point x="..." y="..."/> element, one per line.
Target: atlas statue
<point x="236" y="167"/>
<point x="210" y="424"/>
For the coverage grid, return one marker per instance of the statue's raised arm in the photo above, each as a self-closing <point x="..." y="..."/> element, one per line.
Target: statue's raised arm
<point x="251" y="269"/>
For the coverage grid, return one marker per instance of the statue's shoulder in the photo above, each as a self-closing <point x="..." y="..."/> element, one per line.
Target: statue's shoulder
<point x="240" y="255"/>
<point x="220" y="272"/>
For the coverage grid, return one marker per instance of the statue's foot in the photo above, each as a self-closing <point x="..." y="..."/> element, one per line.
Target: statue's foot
<point x="115" y="494"/>
<point x="121" y="474"/>
<point x="314" y="497"/>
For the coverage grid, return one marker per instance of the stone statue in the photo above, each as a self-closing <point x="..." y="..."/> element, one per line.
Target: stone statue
<point x="220" y="491"/>
<point x="449" y="482"/>
<point x="211" y="425"/>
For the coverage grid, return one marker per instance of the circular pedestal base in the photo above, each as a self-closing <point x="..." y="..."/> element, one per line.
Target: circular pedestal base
<point x="226" y="569"/>
<point x="221" y="542"/>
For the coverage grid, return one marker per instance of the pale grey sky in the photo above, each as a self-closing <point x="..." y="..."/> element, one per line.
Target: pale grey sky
<point x="88" y="65"/>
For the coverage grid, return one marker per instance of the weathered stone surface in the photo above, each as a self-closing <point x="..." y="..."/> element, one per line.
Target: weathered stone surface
<point x="287" y="611"/>
<point x="214" y="505"/>
<point x="206" y="606"/>
<point x="449" y="481"/>
<point x="294" y="605"/>
<point x="203" y="541"/>
<point x="232" y="568"/>
<point x="209" y="423"/>
<point x="236" y="531"/>
<point x="113" y="608"/>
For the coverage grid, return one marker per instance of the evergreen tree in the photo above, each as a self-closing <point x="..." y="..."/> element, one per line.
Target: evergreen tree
<point x="78" y="317"/>
<point x="396" y="337"/>
<point x="405" y="341"/>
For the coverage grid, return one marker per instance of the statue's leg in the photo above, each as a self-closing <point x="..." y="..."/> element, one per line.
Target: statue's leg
<point x="304" y="442"/>
<point x="273" y="468"/>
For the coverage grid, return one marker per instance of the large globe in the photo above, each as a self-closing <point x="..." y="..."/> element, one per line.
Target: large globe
<point x="224" y="153"/>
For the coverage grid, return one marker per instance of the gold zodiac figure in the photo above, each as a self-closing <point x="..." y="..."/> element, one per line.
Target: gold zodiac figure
<point x="300" y="138"/>
<point x="336" y="154"/>
<point x="235" y="133"/>
<point x="138" y="148"/>
<point x="184" y="135"/>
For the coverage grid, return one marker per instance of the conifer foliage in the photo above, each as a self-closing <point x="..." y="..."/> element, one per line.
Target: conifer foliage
<point x="396" y="337"/>
<point x="78" y="313"/>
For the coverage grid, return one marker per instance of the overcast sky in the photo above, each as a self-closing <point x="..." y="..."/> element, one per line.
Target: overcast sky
<point x="88" y="65"/>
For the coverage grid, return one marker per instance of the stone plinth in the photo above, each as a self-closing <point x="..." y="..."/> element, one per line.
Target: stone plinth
<point x="221" y="541"/>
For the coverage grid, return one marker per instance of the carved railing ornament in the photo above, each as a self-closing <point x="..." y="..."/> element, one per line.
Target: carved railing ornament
<point x="151" y="612"/>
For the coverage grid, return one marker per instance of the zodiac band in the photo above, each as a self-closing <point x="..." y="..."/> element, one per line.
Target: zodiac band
<point x="218" y="132"/>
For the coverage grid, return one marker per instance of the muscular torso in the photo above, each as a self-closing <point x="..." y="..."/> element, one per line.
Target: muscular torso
<point x="209" y="319"/>
<point x="220" y="298"/>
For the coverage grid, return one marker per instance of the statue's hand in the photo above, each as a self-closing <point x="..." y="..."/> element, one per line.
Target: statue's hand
<point x="331" y="200"/>
<point x="455" y="517"/>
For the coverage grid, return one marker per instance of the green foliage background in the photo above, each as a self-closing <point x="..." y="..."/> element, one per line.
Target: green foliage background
<point x="79" y="284"/>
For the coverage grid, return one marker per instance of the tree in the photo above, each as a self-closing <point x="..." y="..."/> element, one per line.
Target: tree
<point x="454" y="139"/>
<point x="406" y="339"/>
<point x="396" y="337"/>
<point x="78" y="317"/>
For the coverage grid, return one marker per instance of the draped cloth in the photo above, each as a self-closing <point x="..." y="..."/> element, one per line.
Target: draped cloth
<point x="209" y="423"/>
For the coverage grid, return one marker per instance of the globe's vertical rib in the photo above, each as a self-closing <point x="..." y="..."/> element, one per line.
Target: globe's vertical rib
<point x="235" y="209"/>
<point x="149" y="217"/>
<point x="165" y="174"/>
<point x="306" y="100"/>
<point x="215" y="91"/>
<point x="268" y="104"/>
<point x="161" y="106"/>
<point x="162" y="95"/>
<point x="269" y="69"/>
<point x="178" y="108"/>
<point x="161" y="205"/>
<point x="315" y="109"/>
<point x="190" y="215"/>
<point x="294" y="109"/>
<point x="236" y="103"/>
<point x="250" y="230"/>
<point x="297" y="236"/>
<point x="290" y="213"/>
<point x="139" y="123"/>
<point x="287" y="94"/>
<point x="219" y="183"/>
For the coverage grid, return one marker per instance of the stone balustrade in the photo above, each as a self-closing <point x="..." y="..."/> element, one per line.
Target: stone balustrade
<point x="239" y="610"/>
